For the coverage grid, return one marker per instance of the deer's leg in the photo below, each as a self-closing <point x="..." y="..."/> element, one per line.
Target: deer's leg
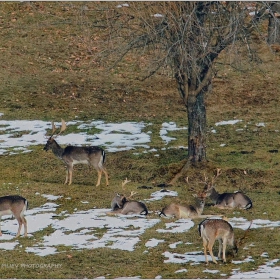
<point x="69" y="174"/>
<point x="19" y="226"/>
<point x="99" y="177"/>
<point x="178" y="213"/>
<point x="224" y="249"/>
<point x="220" y="248"/>
<point x="106" y="176"/>
<point x="25" y="226"/>
<point x="210" y="247"/>
<point x="205" y="250"/>
<point x="66" y="180"/>
<point x="124" y="211"/>
<point x="113" y="213"/>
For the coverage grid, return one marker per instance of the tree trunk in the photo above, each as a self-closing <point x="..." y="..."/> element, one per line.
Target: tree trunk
<point x="197" y="127"/>
<point x="274" y="25"/>
<point x="193" y="94"/>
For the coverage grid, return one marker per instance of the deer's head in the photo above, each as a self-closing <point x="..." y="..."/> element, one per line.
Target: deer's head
<point x="51" y="141"/>
<point x="119" y="200"/>
<point x="209" y="185"/>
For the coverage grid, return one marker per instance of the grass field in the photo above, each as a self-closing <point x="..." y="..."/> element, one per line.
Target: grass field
<point x="48" y="72"/>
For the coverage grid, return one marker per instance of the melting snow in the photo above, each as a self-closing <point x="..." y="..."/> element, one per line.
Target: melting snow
<point x="248" y="259"/>
<point x="171" y="126"/>
<point x="227" y="122"/>
<point x="93" y="228"/>
<point x="160" y="194"/>
<point x="181" y="270"/>
<point x="174" y="245"/>
<point x="153" y="242"/>
<point x="9" y="245"/>
<point x="263" y="272"/>
<point x="242" y="223"/>
<point x="181" y="225"/>
<point x="122" y="5"/>
<point x="193" y="257"/>
<point x="261" y="124"/>
<point x="158" y="15"/>
<point x="211" y="271"/>
<point x="20" y="134"/>
<point x="79" y="230"/>
<point x="51" y="197"/>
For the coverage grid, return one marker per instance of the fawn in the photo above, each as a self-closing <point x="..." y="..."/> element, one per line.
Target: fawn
<point x="213" y="229"/>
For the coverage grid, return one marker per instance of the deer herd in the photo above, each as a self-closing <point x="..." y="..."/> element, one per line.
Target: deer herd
<point x="212" y="228"/>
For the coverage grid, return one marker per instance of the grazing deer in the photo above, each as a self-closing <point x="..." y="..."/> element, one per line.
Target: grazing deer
<point x="15" y="205"/>
<point x="213" y="229"/>
<point x="188" y="211"/>
<point x="71" y="155"/>
<point x="227" y="200"/>
<point x="122" y="205"/>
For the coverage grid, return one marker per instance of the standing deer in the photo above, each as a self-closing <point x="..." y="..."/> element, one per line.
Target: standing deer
<point x="15" y="205"/>
<point x="227" y="200"/>
<point x="187" y="211"/>
<point x="71" y="155"/>
<point x="213" y="229"/>
<point x="122" y="205"/>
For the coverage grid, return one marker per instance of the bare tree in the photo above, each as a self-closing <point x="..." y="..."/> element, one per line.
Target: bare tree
<point x="186" y="36"/>
<point x="274" y="23"/>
